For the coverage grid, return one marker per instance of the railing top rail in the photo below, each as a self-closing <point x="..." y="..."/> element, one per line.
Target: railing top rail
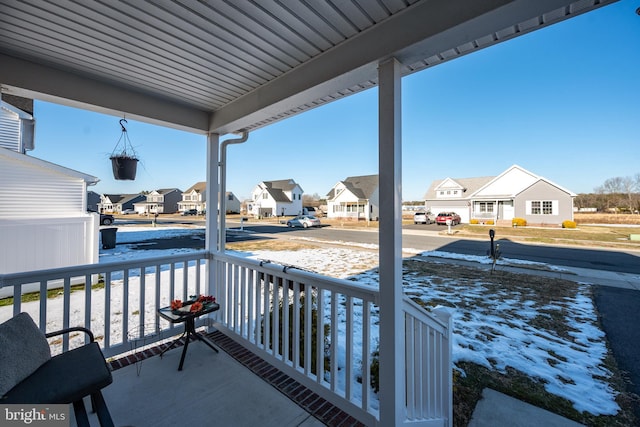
<point x="11" y="279"/>
<point x="347" y="287"/>
<point x="417" y="311"/>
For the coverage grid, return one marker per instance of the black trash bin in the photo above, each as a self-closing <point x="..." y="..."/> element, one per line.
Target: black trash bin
<point x="108" y="236"/>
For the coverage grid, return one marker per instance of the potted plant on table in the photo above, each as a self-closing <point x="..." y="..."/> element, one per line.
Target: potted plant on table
<point x="124" y="160"/>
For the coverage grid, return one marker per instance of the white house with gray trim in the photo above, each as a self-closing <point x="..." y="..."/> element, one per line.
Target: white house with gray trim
<point x="515" y="193"/>
<point x="356" y="197"/>
<point x="276" y="198"/>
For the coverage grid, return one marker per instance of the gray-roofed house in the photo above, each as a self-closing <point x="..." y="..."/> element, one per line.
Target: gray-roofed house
<point x="117" y="203"/>
<point x="515" y="193"/>
<point x="356" y="197"/>
<point x="163" y="201"/>
<point x="194" y="198"/>
<point x="276" y="198"/>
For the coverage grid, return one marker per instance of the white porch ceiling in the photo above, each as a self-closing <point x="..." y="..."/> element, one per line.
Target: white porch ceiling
<point x="226" y="66"/>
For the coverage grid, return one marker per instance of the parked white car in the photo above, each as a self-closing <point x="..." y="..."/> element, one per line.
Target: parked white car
<point x="424" y="218"/>
<point x="304" y="221"/>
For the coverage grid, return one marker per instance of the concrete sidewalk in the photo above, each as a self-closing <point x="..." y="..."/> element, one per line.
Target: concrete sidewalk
<point x="499" y="410"/>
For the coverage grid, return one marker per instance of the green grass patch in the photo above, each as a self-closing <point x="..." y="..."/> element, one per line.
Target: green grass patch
<point x="51" y="293"/>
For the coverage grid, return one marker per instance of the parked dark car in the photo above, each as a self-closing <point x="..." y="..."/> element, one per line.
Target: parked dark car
<point x="106" y="219"/>
<point x="190" y="212"/>
<point x="442" y="218"/>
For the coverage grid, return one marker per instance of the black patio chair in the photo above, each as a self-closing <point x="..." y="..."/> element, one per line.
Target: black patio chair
<point x="29" y="375"/>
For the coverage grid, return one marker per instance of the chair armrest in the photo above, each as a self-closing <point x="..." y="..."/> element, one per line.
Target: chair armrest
<point x="72" y="329"/>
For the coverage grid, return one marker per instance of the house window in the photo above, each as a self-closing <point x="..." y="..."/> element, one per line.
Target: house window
<point x="485" y="207"/>
<point x="230" y="197"/>
<point x="448" y="192"/>
<point x="442" y="193"/>
<point x="542" y="207"/>
<point x="264" y="195"/>
<point x="455" y="192"/>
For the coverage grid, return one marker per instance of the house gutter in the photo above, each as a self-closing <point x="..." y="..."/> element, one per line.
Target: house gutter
<point x="223" y="185"/>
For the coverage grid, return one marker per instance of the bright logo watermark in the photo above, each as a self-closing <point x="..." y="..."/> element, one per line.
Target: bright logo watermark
<point x="36" y="415"/>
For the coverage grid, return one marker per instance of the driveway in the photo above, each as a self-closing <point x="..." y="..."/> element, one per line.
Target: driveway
<point x="620" y="318"/>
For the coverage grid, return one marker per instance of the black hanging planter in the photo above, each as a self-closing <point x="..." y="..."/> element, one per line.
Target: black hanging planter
<point x="124" y="168"/>
<point x="125" y="162"/>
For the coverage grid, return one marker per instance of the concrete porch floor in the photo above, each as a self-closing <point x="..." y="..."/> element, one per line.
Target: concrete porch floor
<point x="212" y="389"/>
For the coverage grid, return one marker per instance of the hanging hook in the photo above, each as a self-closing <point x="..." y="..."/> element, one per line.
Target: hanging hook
<point x="122" y="126"/>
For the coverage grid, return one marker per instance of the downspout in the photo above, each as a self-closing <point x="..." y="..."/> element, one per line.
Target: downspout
<point x="223" y="185"/>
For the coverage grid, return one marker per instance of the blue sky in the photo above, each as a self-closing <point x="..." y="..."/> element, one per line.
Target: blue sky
<point x="562" y="102"/>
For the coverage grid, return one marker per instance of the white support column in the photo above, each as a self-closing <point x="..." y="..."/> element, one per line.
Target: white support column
<point x="211" y="221"/>
<point x="392" y="348"/>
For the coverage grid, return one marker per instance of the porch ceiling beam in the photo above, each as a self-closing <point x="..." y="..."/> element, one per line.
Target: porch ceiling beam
<point x="38" y="81"/>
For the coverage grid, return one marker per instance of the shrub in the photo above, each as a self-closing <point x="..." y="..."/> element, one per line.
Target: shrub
<point x="568" y="224"/>
<point x="474" y="221"/>
<point x="489" y="222"/>
<point x="519" y="222"/>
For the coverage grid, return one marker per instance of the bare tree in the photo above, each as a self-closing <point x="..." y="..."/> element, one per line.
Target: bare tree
<point x="628" y="187"/>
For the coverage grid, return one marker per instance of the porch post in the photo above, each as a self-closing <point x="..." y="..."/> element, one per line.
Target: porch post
<point x="211" y="220"/>
<point x="392" y="410"/>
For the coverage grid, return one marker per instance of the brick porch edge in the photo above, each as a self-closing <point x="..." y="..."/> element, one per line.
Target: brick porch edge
<point x="311" y="402"/>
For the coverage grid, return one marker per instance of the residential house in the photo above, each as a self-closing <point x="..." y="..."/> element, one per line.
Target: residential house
<point x="117" y="203"/>
<point x="515" y="193"/>
<point x="93" y="201"/>
<point x="195" y="198"/>
<point x="163" y="201"/>
<point x="43" y="206"/>
<point x="276" y="198"/>
<point x="357" y="197"/>
<point x="232" y="203"/>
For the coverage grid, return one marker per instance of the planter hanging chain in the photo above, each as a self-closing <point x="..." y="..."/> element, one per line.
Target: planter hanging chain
<point x="127" y="148"/>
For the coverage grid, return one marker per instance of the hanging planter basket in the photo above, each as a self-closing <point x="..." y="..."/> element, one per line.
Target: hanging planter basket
<point x="124" y="160"/>
<point x="124" y="168"/>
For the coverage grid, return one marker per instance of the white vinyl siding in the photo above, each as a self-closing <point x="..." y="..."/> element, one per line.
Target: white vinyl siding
<point x="9" y="130"/>
<point x="28" y="191"/>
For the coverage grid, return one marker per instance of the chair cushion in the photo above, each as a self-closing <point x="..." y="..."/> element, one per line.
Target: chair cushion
<point x="65" y="378"/>
<point x="23" y="349"/>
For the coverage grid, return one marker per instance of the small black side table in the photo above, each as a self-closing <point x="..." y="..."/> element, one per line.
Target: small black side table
<point x="189" y="327"/>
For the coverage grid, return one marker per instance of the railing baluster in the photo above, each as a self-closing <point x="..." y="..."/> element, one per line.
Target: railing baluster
<point x="295" y="357"/>
<point x="88" y="288"/>
<point x="349" y="346"/>
<point x="320" y="338"/>
<point x="333" y="345"/>
<point x="308" y="319"/>
<point x="286" y="354"/>
<point x="107" y="309"/>
<point x="125" y="304"/>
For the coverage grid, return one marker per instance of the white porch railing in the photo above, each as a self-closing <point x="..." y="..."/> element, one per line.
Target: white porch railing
<point x="121" y="309"/>
<point x="320" y="331"/>
<point x="428" y="382"/>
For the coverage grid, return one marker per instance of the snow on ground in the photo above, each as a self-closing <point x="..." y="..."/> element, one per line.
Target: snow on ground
<point x="573" y="369"/>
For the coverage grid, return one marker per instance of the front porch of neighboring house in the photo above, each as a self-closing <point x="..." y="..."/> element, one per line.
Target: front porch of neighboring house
<point x="499" y="212"/>
<point x="356" y="210"/>
<point x="319" y="352"/>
